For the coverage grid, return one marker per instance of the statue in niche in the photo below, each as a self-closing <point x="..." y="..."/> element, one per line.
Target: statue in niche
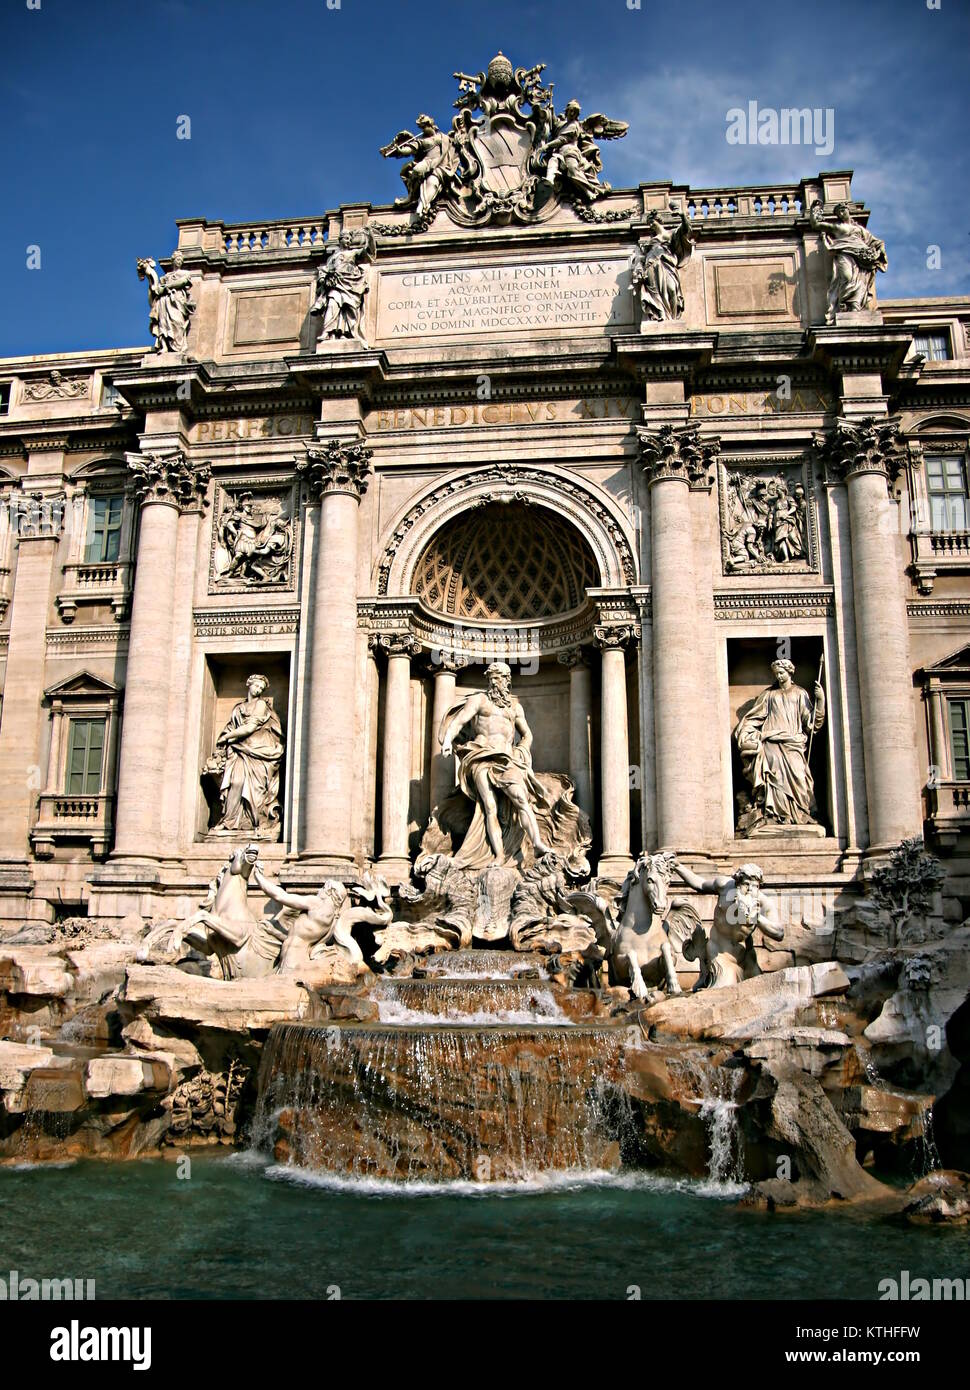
<point x="495" y="772"/>
<point x="772" y="739"/>
<point x="657" y="260"/>
<point x="169" y="305"/>
<point x="324" y="919"/>
<point x="247" y="760"/>
<point x="766" y="521"/>
<point x="856" y="256"/>
<point x="433" y="164"/>
<point x="569" y="153"/>
<point x="342" y="284"/>
<point x="255" y="539"/>
<point x="726" y="954"/>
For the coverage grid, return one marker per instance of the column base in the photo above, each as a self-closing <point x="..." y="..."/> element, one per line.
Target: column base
<point x="614" y="866"/>
<point x="310" y="870"/>
<point x="396" y="868"/>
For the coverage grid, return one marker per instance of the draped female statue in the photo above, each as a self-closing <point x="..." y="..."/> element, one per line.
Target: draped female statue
<point x="247" y="759"/>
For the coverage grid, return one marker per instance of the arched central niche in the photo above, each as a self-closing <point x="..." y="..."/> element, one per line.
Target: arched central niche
<point x="505" y="562"/>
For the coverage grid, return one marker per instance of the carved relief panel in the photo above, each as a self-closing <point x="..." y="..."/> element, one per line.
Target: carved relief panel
<point x="254" y="536"/>
<point x="767" y="516"/>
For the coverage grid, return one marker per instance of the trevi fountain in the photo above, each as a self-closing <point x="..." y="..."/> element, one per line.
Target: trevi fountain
<point x="500" y="757"/>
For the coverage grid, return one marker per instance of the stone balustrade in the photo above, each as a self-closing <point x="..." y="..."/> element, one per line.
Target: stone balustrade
<point x="720" y="202"/>
<point x="62" y="816"/>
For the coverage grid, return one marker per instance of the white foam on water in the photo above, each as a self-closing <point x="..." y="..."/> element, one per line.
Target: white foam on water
<point x="554" y="1181"/>
<point x="28" y="1165"/>
<point x="393" y="1011"/>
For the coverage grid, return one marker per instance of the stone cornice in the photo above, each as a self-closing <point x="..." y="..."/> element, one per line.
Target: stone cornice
<point x="168" y="479"/>
<point x="770" y="604"/>
<point x="246" y="622"/>
<point x="678" y="353"/>
<point x="680" y="453"/>
<point x="860" y="347"/>
<point x="336" y="467"/>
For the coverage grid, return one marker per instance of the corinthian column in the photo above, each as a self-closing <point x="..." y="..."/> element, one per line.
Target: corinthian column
<point x="580" y="726"/>
<point x="867" y="455"/>
<point x="612" y="640"/>
<point x="675" y="460"/>
<point x="38" y="519"/>
<point x="165" y="485"/>
<point x="337" y="475"/>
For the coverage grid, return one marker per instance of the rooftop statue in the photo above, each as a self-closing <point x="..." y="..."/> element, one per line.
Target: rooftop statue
<point x="570" y="157"/>
<point x="856" y="256"/>
<point x="656" y="267"/>
<point x="169" y="305"/>
<point x="433" y="164"/>
<point x="342" y="285"/>
<point x="508" y="155"/>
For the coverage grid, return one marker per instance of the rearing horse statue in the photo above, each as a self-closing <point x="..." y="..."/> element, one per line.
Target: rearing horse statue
<point x="225" y="926"/>
<point x="651" y="924"/>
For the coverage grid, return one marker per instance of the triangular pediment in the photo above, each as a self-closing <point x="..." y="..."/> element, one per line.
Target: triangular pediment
<point x="82" y="683"/>
<point x="956" y="662"/>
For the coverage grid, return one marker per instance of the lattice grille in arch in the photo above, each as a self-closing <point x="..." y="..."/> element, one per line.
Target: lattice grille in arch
<point x="506" y="562"/>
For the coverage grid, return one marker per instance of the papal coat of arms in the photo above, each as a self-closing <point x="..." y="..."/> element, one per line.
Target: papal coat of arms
<point x="508" y="155"/>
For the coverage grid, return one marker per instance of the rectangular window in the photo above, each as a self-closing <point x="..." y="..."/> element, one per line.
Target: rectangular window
<point x="85" y="757"/>
<point x="960" y="738"/>
<point x="946" y="483"/>
<point x="935" y="346"/>
<point x="104" y="529"/>
<point x="4" y="397"/>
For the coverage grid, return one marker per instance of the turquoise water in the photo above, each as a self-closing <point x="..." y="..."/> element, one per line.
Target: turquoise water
<point x="239" y="1229"/>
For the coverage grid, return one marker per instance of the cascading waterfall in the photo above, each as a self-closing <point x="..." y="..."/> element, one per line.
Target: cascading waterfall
<point x="467" y="1002"/>
<point x="715" y="1089"/>
<point x="928" y="1155"/>
<point x="496" y="1103"/>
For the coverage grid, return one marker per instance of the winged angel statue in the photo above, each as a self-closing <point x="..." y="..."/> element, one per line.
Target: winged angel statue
<point x="508" y="154"/>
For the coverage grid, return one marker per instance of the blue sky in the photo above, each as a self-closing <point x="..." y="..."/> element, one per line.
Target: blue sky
<point x="289" y="101"/>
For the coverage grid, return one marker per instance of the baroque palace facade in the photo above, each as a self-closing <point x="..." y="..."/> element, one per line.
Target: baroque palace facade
<point x="637" y="444"/>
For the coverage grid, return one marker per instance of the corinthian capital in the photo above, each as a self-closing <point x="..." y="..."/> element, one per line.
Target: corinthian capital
<point x="168" y="478"/>
<point x="869" y="445"/>
<point x="336" y="467"/>
<point x="679" y="452"/>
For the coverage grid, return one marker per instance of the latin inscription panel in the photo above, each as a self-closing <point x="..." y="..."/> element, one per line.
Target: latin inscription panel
<point x="536" y="297"/>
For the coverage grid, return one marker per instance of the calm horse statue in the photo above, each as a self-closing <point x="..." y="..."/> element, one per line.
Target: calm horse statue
<point x="651" y="924"/>
<point x="246" y="947"/>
